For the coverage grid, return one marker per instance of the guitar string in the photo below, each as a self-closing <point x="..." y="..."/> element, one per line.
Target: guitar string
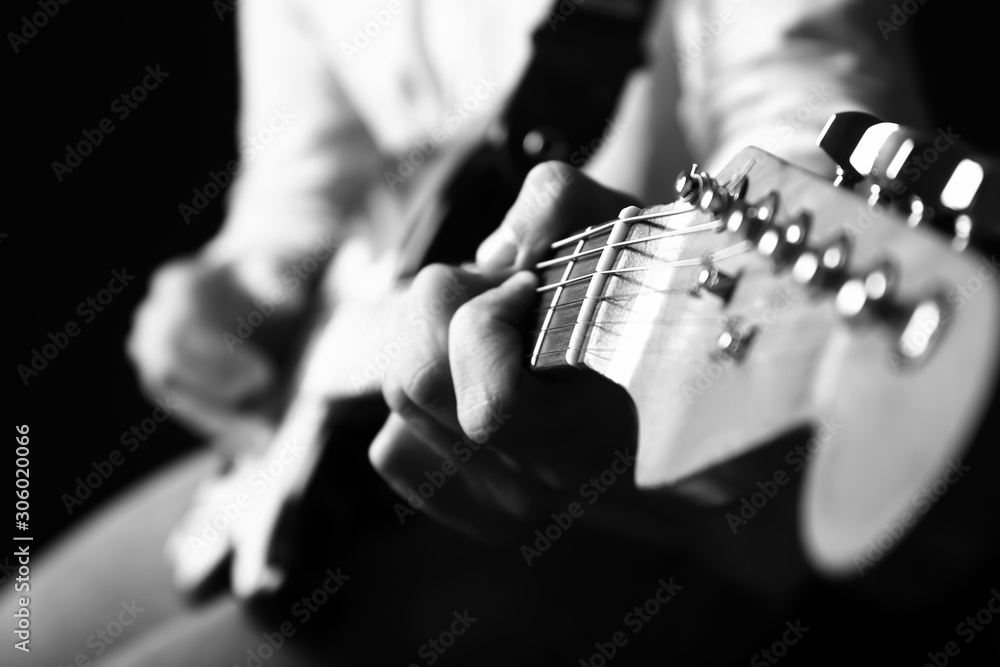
<point x="741" y="247"/>
<point x="587" y="233"/>
<point x="706" y="321"/>
<point x="713" y="226"/>
<point x="678" y="351"/>
<point x="694" y="321"/>
<point x="791" y="341"/>
<point x="731" y="251"/>
<point x="643" y="292"/>
<point x="796" y="327"/>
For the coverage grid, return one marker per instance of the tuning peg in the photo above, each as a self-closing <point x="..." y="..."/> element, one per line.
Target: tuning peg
<point x="919" y="213"/>
<point x="921" y="327"/>
<point x="715" y="199"/>
<point x="942" y="179"/>
<point x="962" y="196"/>
<point x="688" y="184"/>
<point x="765" y="209"/>
<point x="840" y="138"/>
<point x="736" y="338"/>
<point x="823" y="267"/>
<point x="880" y="197"/>
<point x="868" y="292"/>
<point x="963" y="232"/>
<point x="783" y="244"/>
<point x="713" y="280"/>
<point x="751" y="221"/>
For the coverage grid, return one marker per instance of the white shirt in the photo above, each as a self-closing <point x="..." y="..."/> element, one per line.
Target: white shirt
<point x="336" y="95"/>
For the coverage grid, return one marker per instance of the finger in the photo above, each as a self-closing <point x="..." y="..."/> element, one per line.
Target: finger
<point x="417" y="382"/>
<point x="228" y="375"/>
<point x="486" y="344"/>
<point x="170" y="345"/>
<point x="555" y="200"/>
<point x="229" y="382"/>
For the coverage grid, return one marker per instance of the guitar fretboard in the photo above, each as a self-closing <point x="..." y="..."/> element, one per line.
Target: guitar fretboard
<point x="575" y="278"/>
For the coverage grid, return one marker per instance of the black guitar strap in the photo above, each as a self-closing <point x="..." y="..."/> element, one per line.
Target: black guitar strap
<point x="582" y="55"/>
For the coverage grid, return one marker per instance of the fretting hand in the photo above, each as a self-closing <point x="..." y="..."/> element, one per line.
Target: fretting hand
<point x="504" y="444"/>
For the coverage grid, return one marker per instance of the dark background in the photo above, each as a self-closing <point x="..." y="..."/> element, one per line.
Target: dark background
<point x="119" y="208"/>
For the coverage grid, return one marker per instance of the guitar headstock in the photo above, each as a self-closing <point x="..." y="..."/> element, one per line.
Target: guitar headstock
<point x="796" y="304"/>
<point x="933" y="179"/>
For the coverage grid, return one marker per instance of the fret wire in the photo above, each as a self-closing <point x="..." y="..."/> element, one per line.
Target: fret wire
<point x="694" y="229"/>
<point x="552" y="306"/>
<point x="663" y="322"/>
<point x="674" y="321"/>
<point x="677" y="350"/>
<point x="725" y="253"/>
<point x="793" y="336"/>
<point x="583" y="236"/>
<point x="645" y="292"/>
<point x="607" y="225"/>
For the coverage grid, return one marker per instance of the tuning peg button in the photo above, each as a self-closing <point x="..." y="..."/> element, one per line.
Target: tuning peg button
<point x="735" y="339"/>
<point x="823" y="267"/>
<point x="688" y="184"/>
<point x="715" y="199"/>
<point x="867" y="293"/>
<point x="751" y="221"/>
<point x="783" y="244"/>
<point x="922" y="327"/>
<point x="879" y="197"/>
<point x="839" y="139"/>
<point x="712" y="280"/>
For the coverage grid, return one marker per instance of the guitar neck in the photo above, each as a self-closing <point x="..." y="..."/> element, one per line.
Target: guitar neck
<point x="573" y="297"/>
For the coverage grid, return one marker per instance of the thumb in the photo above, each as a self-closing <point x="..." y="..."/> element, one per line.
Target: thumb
<point x="485" y="344"/>
<point x="555" y="200"/>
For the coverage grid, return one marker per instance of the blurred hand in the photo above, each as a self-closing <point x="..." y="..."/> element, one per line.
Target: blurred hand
<point x="195" y="338"/>
<point x="508" y="444"/>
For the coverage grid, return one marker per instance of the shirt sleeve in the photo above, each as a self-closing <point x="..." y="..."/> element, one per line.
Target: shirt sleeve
<point x="306" y="159"/>
<point x="770" y="73"/>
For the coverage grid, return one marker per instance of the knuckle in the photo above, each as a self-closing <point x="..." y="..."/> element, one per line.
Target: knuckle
<point x="545" y="172"/>
<point x="431" y="279"/>
<point x="542" y="194"/>
<point x="428" y="386"/>
<point x="470" y="319"/>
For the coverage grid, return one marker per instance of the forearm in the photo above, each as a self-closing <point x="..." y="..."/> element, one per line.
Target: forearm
<point x="306" y="160"/>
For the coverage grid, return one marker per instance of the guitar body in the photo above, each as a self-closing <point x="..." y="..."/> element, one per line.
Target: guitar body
<point x="449" y="207"/>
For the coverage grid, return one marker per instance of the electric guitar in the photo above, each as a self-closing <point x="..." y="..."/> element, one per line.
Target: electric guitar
<point x="763" y="302"/>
